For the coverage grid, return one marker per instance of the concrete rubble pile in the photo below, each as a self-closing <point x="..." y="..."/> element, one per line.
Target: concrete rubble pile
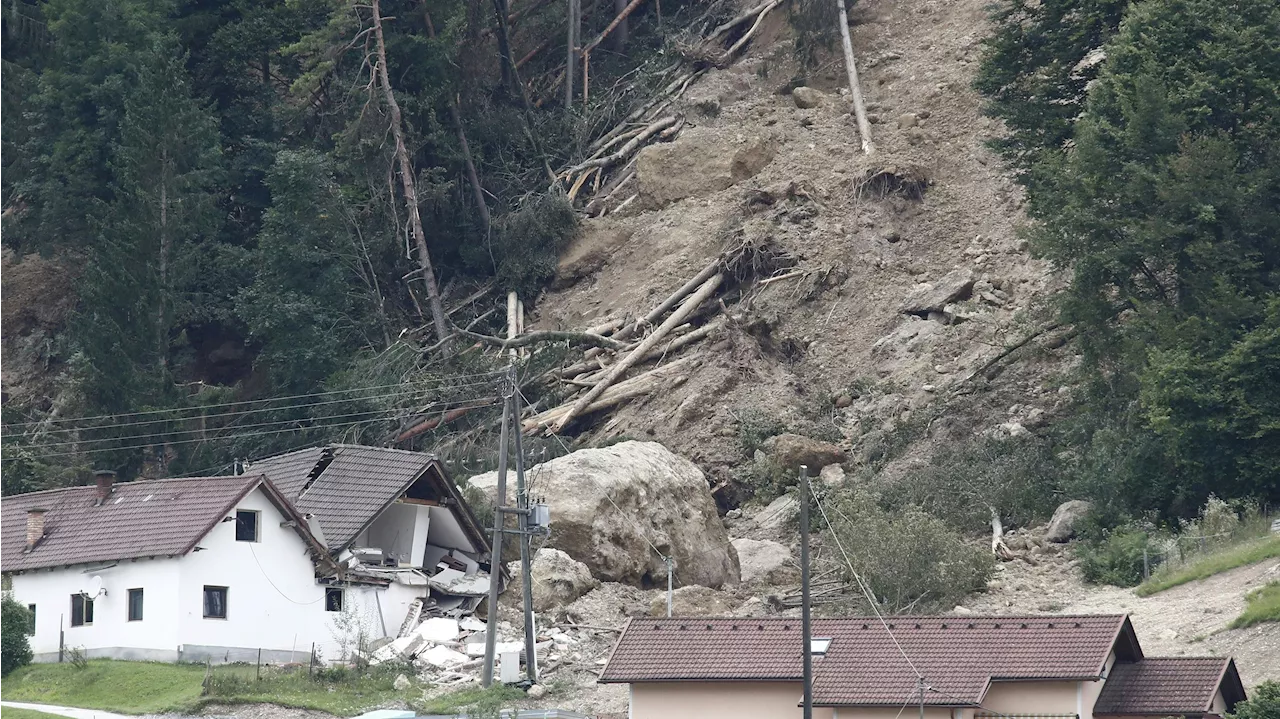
<point x="450" y="652"/>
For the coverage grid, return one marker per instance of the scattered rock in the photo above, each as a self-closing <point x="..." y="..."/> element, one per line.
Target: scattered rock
<point x="781" y="512"/>
<point x="790" y="451"/>
<point x="935" y="296"/>
<point x="961" y="610"/>
<point x="764" y="561"/>
<point x="843" y="401"/>
<point x="596" y="496"/>
<point x="908" y="119"/>
<point x="806" y="97"/>
<point x="699" y="162"/>
<point x="832" y="475"/>
<point x="402" y="683"/>
<point x="558" y="579"/>
<point x="537" y="691"/>
<point x="1065" y="518"/>
<point x="691" y="601"/>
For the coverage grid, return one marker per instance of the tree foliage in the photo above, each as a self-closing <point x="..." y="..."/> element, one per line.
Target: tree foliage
<point x="1157" y="183"/>
<point x="15" y="631"/>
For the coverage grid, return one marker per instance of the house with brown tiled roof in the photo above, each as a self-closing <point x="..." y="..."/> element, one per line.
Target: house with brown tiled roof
<point x="320" y="548"/>
<point x="946" y="667"/>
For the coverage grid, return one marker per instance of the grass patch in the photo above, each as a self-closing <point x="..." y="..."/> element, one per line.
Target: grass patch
<point x="473" y="699"/>
<point x="156" y="688"/>
<point x="1263" y="606"/>
<point x="123" y="687"/>
<point x="1210" y="564"/>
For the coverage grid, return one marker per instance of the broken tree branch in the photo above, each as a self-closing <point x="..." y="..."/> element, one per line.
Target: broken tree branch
<point x="642" y="384"/>
<point x="582" y="338"/>
<point x="631" y="146"/>
<point x="615" y="372"/>
<point x="754" y="27"/>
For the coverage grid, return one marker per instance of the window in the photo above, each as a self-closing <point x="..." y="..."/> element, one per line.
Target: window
<point x="246" y="525"/>
<point x="135" y="605"/>
<point x="81" y="610"/>
<point x="215" y="602"/>
<point x="332" y="599"/>
<point x="31" y="627"/>
<point x="818" y="646"/>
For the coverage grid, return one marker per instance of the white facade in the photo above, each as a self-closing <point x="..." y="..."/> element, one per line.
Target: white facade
<point x="273" y="602"/>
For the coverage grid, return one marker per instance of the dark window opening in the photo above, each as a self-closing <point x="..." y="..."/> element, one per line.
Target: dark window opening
<point x="135" y="605"/>
<point x="31" y="624"/>
<point x="215" y="602"/>
<point x="332" y="599"/>
<point x="246" y="525"/>
<point x="81" y="610"/>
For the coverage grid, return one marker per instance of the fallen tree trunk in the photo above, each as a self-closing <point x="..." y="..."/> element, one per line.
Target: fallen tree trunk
<point x="674" y="372"/>
<point x="855" y="88"/>
<point x="728" y="54"/>
<point x="615" y="372"/>
<point x="676" y="344"/>
<point x="998" y="547"/>
<point x="583" y="338"/>
<point x="629" y="148"/>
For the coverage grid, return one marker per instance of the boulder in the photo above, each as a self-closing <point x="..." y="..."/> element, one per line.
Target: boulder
<point x="780" y="513"/>
<point x="701" y="161"/>
<point x="806" y="97"/>
<point x="764" y="561"/>
<point x="558" y="579"/>
<point x="1065" y="518"/>
<point x="402" y="683"/>
<point x="935" y="296"/>
<point x="536" y="691"/>
<point x="692" y="601"/>
<point x="832" y="475"/>
<point x="790" y="451"/>
<point x="618" y="508"/>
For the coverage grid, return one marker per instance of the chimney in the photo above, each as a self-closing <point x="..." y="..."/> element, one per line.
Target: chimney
<point x="35" y="527"/>
<point x="104" y="478"/>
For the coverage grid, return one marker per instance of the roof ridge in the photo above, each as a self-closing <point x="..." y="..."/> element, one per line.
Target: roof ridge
<point x="131" y="483"/>
<point x="1181" y="659"/>
<point x="341" y="445"/>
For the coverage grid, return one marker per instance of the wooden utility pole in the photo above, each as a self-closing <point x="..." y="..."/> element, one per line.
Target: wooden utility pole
<point x="495" y="562"/>
<point x="805" y="623"/>
<point x="409" y="182"/>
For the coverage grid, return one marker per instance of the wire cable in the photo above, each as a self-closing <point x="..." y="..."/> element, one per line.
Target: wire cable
<point x="402" y="392"/>
<point x="450" y="380"/>
<point x="273" y="584"/>
<point x="866" y="591"/>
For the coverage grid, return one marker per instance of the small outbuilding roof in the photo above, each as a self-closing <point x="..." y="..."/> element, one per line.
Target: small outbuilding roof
<point x="1167" y="686"/>
<point x="147" y="518"/>
<point x="959" y="656"/>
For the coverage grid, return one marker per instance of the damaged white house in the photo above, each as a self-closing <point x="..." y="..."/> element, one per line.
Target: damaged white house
<point x="328" y="548"/>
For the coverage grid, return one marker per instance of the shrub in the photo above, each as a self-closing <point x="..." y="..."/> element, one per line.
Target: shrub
<point x="910" y="559"/>
<point x="1264" y="704"/>
<point x="1115" y="557"/>
<point x="15" y="624"/>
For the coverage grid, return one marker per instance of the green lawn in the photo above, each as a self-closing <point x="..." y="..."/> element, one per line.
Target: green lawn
<point x="1238" y="556"/>
<point x="150" y="687"/>
<point x="1263" y="606"/>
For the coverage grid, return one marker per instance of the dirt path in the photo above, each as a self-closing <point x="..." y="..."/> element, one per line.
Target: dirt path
<point x="1189" y="619"/>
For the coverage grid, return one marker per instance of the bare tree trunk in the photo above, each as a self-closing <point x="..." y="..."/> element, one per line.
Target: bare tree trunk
<point x="571" y="67"/>
<point x="998" y="547"/>
<point x="620" y="33"/>
<point x="162" y="311"/>
<point x="408" y="180"/>
<point x="855" y="88"/>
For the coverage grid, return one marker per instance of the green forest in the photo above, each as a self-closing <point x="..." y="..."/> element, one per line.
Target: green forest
<point x="225" y="178"/>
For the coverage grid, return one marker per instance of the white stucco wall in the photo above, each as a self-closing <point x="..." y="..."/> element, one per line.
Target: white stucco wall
<point x="273" y="601"/>
<point x="1032" y="697"/>
<point x="155" y="637"/>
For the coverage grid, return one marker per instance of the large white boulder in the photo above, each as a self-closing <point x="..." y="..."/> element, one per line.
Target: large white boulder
<point x="615" y="509"/>
<point x="558" y="579"/>
<point x="1065" y="518"/>
<point x="765" y="561"/>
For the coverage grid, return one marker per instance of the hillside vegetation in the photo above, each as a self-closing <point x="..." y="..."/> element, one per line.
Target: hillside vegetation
<point x="216" y="190"/>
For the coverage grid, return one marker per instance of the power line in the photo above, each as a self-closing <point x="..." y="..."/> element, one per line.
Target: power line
<point x="227" y="437"/>
<point x="181" y="432"/>
<point x="403" y="391"/>
<point x="329" y="393"/>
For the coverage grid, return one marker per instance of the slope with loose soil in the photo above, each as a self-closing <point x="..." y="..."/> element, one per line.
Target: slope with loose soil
<point x="866" y="231"/>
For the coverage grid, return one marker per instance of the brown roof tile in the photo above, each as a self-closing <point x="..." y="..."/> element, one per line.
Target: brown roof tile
<point x="140" y="519"/>
<point x="1160" y="686"/>
<point x="958" y="656"/>
<point x="347" y="486"/>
